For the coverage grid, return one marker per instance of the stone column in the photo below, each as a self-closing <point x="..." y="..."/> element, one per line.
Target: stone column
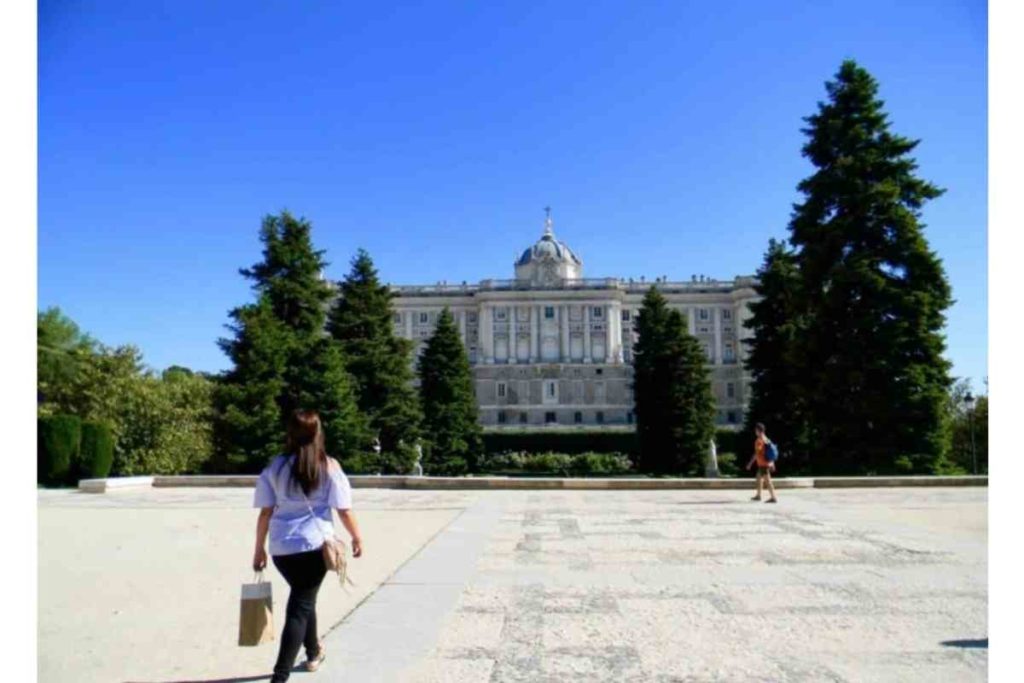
<point x="617" y="332"/>
<point x="740" y="317"/>
<point x="462" y="326"/>
<point x="487" y="333"/>
<point x="563" y="324"/>
<point x="408" y="324"/>
<point x="692" y="319"/>
<point x="717" y="323"/>
<point x="513" y="335"/>
<point x="609" y="331"/>
<point x="586" y="334"/>
<point x="534" y="333"/>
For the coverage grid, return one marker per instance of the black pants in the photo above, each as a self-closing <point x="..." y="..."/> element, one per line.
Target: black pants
<point x="304" y="573"/>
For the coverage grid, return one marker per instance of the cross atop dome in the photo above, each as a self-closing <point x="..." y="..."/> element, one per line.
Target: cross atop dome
<point x="548" y="223"/>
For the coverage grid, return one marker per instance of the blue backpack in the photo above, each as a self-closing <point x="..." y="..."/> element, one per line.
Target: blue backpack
<point x="772" y="452"/>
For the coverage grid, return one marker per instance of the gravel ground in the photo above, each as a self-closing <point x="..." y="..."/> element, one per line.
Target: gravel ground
<point x="828" y="585"/>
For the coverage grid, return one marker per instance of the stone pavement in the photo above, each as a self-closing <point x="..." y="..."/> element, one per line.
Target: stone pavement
<point x="829" y="585"/>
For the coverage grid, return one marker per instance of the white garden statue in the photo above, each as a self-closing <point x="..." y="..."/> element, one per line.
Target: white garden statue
<point x="417" y="469"/>
<point x="711" y="467"/>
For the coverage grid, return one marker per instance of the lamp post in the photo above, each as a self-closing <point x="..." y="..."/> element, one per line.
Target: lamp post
<point x="969" y="402"/>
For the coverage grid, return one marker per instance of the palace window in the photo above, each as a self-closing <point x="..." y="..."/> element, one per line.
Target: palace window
<point x="729" y="353"/>
<point x="550" y="388"/>
<point x="550" y="418"/>
<point x="522" y="418"/>
<point x="502" y="389"/>
<point x="597" y="312"/>
<point x="703" y="314"/>
<point x="732" y="417"/>
<point x="397" y="318"/>
<point x="424" y="318"/>
<point x="549" y="312"/>
<point x="502" y="417"/>
<point x="726" y="314"/>
<point x="730" y="390"/>
<point x="600" y="417"/>
<point x="629" y="417"/>
<point x="500" y="314"/>
<point x="577" y="417"/>
<point x="625" y="315"/>
<point x="703" y="329"/>
<point x="471" y="317"/>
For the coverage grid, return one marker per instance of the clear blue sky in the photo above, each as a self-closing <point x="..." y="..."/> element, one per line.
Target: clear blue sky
<point x="666" y="137"/>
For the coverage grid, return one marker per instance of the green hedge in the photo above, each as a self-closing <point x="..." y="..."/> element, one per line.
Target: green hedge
<point x="97" y="450"/>
<point x="569" y="442"/>
<point x="587" y="441"/>
<point x="557" y="464"/>
<point x="58" y="445"/>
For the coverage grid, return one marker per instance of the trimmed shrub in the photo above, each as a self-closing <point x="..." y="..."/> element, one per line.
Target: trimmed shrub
<point x="731" y="441"/>
<point x="570" y="442"/>
<point x="57" y="448"/>
<point x="574" y="442"/>
<point x="557" y="464"/>
<point x="97" y="450"/>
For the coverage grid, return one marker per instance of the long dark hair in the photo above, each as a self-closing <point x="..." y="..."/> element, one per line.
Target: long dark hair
<point x="305" y="441"/>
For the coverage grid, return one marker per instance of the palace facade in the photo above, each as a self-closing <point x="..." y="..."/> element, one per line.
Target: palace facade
<point x="551" y="347"/>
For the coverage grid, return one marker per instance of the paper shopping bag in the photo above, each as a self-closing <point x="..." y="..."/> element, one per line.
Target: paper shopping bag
<point x="256" y="622"/>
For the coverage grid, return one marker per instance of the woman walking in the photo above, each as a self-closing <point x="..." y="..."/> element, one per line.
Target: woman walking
<point x="296" y="493"/>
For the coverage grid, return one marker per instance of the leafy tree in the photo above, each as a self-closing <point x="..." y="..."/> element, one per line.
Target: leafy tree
<point x="157" y="426"/>
<point x="773" y="361"/>
<point x="450" y="425"/>
<point x="61" y="350"/>
<point x="873" y="294"/>
<point x="361" y="321"/>
<point x="281" y="356"/>
<point x="968" y="429"/>
<point x="675" y="408"/>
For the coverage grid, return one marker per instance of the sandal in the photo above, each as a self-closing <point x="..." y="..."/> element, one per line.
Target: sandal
<point x="314" y="664"/>
<point x="756" y="498"/>
<point x="772" y="500"/>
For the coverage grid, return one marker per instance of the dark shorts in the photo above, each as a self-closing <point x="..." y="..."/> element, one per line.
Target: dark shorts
<point x="763" y="471"/>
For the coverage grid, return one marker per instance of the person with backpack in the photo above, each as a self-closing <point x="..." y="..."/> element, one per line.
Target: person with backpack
<point x="765" y="454"/>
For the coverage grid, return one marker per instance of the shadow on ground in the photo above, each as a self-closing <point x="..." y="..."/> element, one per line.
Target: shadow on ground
<point x="980" y="643"/>
<point x="243" y="679"/>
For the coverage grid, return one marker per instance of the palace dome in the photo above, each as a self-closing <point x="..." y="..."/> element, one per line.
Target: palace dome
<point x="549" y="248"/>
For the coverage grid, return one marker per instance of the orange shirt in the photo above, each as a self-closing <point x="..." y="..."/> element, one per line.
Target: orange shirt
<point x="759" y="448"/>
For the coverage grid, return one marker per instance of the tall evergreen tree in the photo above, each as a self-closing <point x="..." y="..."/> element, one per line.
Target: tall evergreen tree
<point x="873" y="293"/>
<point x="777" y="324"/>
<point x="450" y="423"/>
<point x="380" y="362"/>
<point x="282" y="357"/>
<point x="675" y="408"/>
<point x="649" y="391"/>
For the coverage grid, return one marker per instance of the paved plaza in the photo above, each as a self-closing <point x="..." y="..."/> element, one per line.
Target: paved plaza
<point x="503" y="586"/>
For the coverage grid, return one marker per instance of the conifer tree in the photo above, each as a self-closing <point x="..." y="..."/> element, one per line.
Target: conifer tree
<point x="649" y="392"/>
<point x="282" y="358"/>
<point x="873" y="293"/>
<point x="675" y="408"/>
<point x="450" y="426"/>
<point x="379" y="361"/>
<point x="777" y="325"/>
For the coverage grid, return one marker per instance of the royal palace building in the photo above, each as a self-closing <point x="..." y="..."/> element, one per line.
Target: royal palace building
<point x="551" y="347"/>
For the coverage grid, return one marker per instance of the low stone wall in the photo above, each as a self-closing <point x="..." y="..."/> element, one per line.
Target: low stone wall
<point x="536" y="483"/>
